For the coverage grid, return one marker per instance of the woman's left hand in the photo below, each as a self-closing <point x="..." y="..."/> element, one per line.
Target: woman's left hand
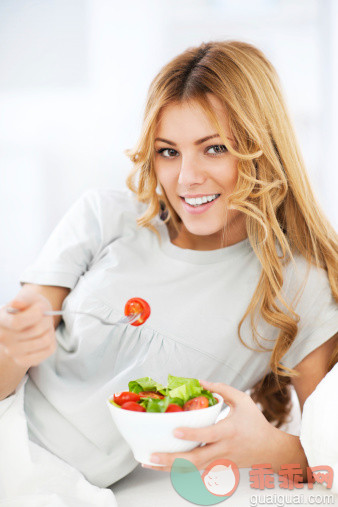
<point x="244" y="436"/>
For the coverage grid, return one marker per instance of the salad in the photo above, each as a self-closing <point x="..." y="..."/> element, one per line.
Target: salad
<point x="180" y="394"/>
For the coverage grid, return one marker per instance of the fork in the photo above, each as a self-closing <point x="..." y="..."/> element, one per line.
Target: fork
<point x="128" y="319"/>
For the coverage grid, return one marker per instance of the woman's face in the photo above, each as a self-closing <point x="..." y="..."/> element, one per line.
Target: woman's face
<point x="190" y="163"/>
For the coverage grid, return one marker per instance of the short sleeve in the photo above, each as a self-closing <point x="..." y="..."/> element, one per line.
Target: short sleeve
<point x="91" y="222"/>
<point x="317" y="309"/>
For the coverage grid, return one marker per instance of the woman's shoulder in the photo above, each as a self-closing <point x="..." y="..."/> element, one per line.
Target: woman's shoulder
<point x="307" y="281"/>
<point x="113" y="212"/>
<point x="302" y="267"/>
<point x="307" y="288"/>
<point x="109" y="206"/>
<point x="111" y="199"/>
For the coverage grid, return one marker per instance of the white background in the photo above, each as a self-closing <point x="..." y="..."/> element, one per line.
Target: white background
<point x="73" y="81"/>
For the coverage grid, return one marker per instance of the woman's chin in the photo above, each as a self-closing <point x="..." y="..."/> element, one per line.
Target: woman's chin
<point x="205" y="229"/>
<point x="199" y="238"/>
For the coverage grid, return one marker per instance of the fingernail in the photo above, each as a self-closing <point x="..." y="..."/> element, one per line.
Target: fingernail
<point x="155" y="459"/>
<point x="178" y="434"/>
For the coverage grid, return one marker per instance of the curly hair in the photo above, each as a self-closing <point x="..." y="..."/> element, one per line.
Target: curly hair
<point x="273" y="189"/>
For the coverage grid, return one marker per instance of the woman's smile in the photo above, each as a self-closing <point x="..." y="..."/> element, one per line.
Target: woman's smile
<point x="199" y="204"/>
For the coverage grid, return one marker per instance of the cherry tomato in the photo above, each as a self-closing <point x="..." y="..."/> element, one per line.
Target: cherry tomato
<point x="132" y="405"/>
<point x="172" y="407"/>
<point x="137" y="305"/>
<point x="125" y="396"/>
<point x="196" y="403"/>
<point x="150" y="394"/>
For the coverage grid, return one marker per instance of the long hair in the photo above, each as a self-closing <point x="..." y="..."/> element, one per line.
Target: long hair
<point x="273" y="190"/>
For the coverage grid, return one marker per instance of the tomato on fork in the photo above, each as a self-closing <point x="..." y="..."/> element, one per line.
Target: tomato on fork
<point x="137" y="305"/>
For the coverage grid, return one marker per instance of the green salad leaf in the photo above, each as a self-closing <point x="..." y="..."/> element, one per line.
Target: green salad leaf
<point x="186" y="391"/>
<point x="174" y="382"/>
<point x="177" y="401"/>
<point x="155" y="404"/>
<point x="145" y="384"/>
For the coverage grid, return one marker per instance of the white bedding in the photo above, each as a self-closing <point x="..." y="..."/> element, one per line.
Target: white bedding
<point x="319" y="428"/>
<point x="30" y="476"/>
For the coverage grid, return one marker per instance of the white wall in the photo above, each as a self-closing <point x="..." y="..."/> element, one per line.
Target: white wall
<point x="73" y="81"/>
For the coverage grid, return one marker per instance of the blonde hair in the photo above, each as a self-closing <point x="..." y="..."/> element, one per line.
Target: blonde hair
<point x="272" y="190"/>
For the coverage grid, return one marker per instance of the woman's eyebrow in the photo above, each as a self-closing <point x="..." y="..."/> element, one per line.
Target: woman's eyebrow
<point x="199" y="141"/>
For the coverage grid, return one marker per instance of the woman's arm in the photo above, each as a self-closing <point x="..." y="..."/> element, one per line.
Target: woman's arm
<point x="313" y="369"/>
<point x="11" y="371"/>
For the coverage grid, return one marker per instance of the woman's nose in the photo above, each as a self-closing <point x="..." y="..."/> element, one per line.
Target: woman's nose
<point x="190" y="172"/>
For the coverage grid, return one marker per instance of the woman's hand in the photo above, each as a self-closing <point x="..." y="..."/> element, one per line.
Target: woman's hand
<point x="28" y="337"/>
<point x="244" y="436"/>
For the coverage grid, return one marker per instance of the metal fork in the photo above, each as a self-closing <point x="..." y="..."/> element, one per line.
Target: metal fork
<point x="128" y="319"/>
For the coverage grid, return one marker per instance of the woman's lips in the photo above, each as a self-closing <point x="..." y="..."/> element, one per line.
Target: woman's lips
<point x="196" y="210"/>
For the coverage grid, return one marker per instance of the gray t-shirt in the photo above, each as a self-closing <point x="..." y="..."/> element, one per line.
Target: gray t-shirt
<point x="197" y="299"/>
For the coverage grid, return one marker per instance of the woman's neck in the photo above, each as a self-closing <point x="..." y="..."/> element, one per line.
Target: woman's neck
<point x="186" y="240"/>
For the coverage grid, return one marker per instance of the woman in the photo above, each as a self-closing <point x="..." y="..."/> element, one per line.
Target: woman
<point x="222" y="235"/>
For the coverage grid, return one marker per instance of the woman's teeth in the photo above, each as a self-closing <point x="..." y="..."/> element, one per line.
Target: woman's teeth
<point x="200" y="200"/>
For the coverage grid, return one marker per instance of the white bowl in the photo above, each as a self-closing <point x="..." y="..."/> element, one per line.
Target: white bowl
<point x="149" y="432"/>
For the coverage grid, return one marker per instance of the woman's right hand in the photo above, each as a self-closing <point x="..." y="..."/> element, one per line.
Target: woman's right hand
<point x="28" y="337"/>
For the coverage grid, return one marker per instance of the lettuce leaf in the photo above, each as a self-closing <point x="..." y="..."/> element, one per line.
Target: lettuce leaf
<point x="211" y="398"/>
<point x="187" y="388"/>
<point x="155" y="404"/>
<point x="185" y="392"/>
<point x="174" y="382"/>
<point x="177" y="401"/>
<point x="145" y="384"/>
<point x="183" y="388"/>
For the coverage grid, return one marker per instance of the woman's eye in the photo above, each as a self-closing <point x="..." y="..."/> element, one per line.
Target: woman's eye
<point x="218" y="149"/>
<point x="167" y="152"/>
